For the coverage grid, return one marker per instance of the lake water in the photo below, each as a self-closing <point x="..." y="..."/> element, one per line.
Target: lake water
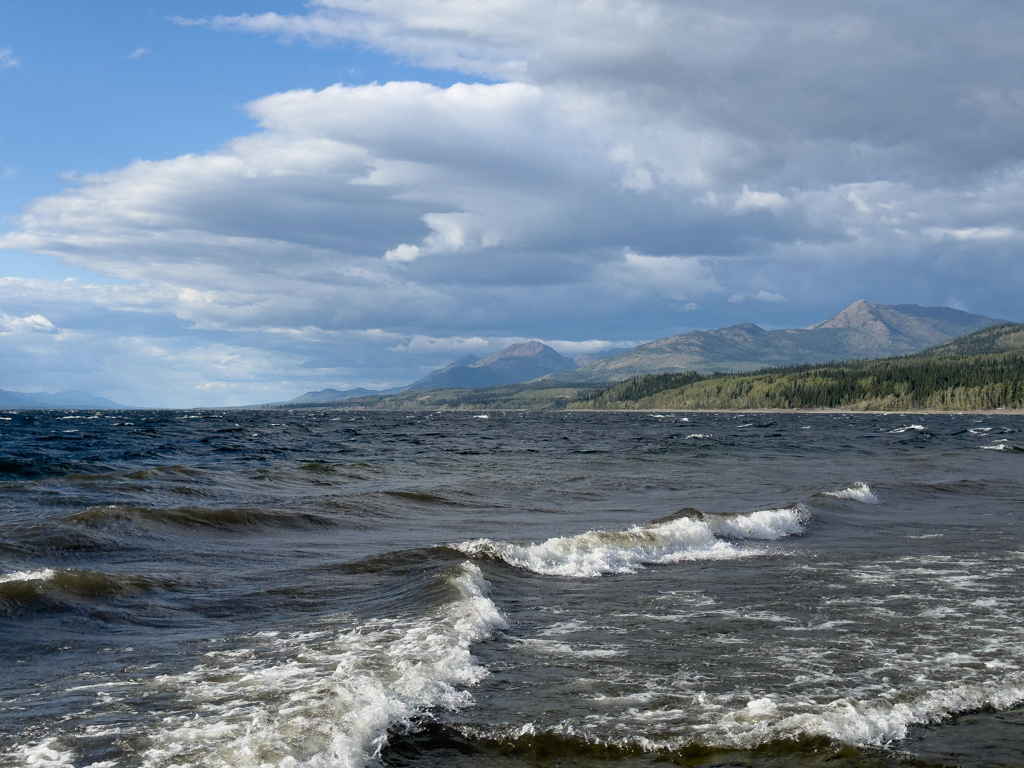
<point x="342" y="588"/>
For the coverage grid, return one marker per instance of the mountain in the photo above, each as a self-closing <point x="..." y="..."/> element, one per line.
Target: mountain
<point x="71" y="398"/>
<point x="331" y="395"/>
<point x="588" y="358"/>
<point x="981" y="371"/>
<point x="862" y="330"/>
<point x="994" y="340"/>
<point x="514" y="364"/>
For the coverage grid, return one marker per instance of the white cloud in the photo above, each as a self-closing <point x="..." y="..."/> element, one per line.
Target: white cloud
<point x="464" y="346"/>
<point x="28" y="324"/>
<point x="138" y="53"/>
<point x="983" y="234"/>
<point x="749" y="200"/>
<point x="673" y="277"/>
<point x="8" y="59"/>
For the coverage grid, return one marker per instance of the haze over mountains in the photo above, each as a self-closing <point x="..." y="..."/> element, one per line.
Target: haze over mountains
<point x="71" y="398"/>
<point x="863" y="330"/>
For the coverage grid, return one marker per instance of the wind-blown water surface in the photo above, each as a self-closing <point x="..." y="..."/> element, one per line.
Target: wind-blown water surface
<point x="341" y="588"/>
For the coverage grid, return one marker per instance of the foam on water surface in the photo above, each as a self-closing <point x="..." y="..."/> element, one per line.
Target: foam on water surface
<point x="594" y="553"/>
<point x="313" y="700"/>
<point x="43" y="574"/>
<point x="857" y="492"/>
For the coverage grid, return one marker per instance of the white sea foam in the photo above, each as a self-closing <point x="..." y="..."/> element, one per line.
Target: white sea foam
<point x="319" y="699"/>
<point x="44" y="574"/>
<point x="862" y="723"/>
<point x="482" y="416"/>
<point x="697" y="436"/>
<point x="595" y="553"/>
<point x="857" y="492"/>
<point x="908" y="428"/>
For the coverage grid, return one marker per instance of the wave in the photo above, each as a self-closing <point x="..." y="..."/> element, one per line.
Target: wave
<point x="65" y="587"/>
<point x="907" y="428"/>
<point x="307" y="701"/>
<point x="198" y="517"/>
<point x="763" y="725"/>
<point x="1000" y="445"/>
<point x="857" y="492"/>
<point x="691" y="537"/>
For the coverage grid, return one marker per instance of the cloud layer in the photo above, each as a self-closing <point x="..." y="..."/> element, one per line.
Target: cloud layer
<point x="624" y="171"/>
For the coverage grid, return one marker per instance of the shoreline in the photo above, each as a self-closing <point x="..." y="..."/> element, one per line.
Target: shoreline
<point x="993" y="412"/>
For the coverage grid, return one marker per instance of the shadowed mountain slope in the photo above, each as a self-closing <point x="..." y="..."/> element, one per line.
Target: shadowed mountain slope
<point x="514" y="364"/>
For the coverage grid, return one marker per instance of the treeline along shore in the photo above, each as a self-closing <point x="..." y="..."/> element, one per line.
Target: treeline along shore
<point x="980" y="371"/>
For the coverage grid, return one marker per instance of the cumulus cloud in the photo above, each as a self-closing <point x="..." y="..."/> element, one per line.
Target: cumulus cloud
<point x="28" y="324"/>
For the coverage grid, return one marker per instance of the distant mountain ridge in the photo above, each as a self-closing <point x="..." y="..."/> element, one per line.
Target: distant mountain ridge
<point x="863" y="330"/>
<point x="514" y="364"/>
<point x="71" y="398"/>
<point x="983" y="370"/>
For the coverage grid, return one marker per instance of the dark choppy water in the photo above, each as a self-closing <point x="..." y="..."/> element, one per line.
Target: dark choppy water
<point x="333" y="588"/>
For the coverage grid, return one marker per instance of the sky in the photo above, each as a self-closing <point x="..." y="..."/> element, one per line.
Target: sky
<point x="235" y="201"/>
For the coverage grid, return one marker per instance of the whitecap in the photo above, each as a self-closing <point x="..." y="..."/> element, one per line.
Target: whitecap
<point x="44" y="574"/>
<point x="867" y="724"/>
<point x="857" y="492"/>
<point x="594" y="553"/>
<point x="327" y="702"/>
<point x="482" y="416"/>
<point x="908" y="428"/>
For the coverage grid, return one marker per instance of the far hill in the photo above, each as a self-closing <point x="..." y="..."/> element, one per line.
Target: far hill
<point x="71" y="398"/>
<point x="983" y="370"/>
<point x="514" y="364"/>
<point x="862" y="330"/>
<point x="331" y="395"/>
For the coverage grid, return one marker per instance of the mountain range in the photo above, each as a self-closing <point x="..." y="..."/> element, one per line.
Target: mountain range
<point x="71" y="398"/>
<point x="863" y="330"/>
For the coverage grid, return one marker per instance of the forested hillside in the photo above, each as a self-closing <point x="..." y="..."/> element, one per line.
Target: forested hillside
<point x="983" y="370"/>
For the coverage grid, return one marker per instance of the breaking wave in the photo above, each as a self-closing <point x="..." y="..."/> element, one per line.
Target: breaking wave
<point x="594" y="553"/>
<point x="307" y="700"/>
<point x="857" y="492"/>
<point x="764" y="722"/>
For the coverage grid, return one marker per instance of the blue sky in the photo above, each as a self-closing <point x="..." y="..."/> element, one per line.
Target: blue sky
<point x="227" y="202"/>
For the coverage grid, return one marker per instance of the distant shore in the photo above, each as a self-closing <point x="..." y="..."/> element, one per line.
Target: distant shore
<point x="995" y="412"/>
